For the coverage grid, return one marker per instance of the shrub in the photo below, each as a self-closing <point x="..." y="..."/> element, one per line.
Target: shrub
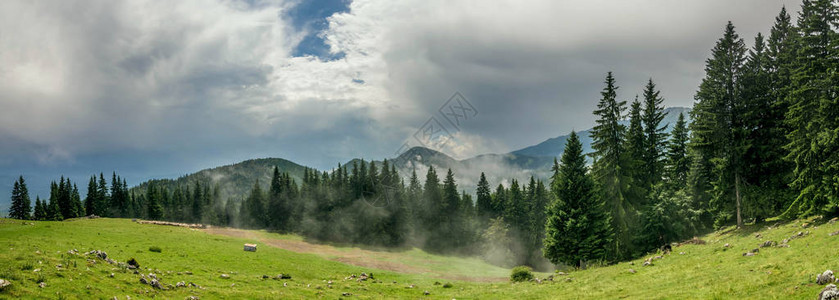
<point x="521" y="273"/>
<point x="155" y="249"/>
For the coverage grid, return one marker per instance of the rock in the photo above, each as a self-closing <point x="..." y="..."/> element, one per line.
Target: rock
<point x="632" y="271"/>
<point x="187" y="272"/>
<point x="830" y="292"/>
<point x="411" y="286"/>
<point x="658" y="257"/>
<point x="192" y="298"/>
<point x="833" y="233"/>
<point x="561" y="273"/>
<point x="755" y="250"/>
<point x="631" y="263"/>
<point x="42" y="284"/>
<point x="112" y="275"/>
<point x="250" y="247"/>
<point x="285" y="283"/>
<point x="825" y="278"/>
<point x="681" y="253"/>
<point x="133" y="264"/>
<point x="180" y="284"/>
<point x="757" y="235"/>
<point x="768" y="244"/>
<point x="4" y="283"/>
<point x="143" y="280"/>
<point x="749" y="254"/>
<point x="833" y="220"/>
<point x="283" y="276"/>
<point x="727" y="245"/>
<point x="345" y="294"/>
<point x="265" y="276"/>
<point x="648" y="263"/>
<point x="156" y="284"/>
<point x="426" y="293"/>
<point x="805" y="224"/>
<point x="224" y="276"/>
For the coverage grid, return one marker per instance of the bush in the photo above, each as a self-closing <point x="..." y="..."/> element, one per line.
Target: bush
<point x="521" y="273"/>
<point x="155" y="249"/>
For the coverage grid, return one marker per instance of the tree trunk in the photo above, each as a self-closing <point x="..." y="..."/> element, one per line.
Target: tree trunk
<point x="737" y="193"/>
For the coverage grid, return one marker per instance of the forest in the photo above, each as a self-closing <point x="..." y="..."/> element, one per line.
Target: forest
<point x="763" y="143"/>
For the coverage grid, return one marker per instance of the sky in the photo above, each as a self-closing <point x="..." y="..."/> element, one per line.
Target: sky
<point x="160" y="89"/>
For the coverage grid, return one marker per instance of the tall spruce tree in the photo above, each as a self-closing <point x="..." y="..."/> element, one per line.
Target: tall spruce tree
<point x="611" y="168"/>
<point x="678" y="162"/>
<point x="655" y="136"/>
<point x="40" y="210"/>
<point x="484" y="198"/>
<point x="21" y="205"/>
<point x="578" y="222"/>
<point x="812" y="115"/>
<point x="717" y="125"/>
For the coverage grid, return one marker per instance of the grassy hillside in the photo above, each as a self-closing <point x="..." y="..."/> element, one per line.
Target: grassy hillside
<point x="33" y="250"/>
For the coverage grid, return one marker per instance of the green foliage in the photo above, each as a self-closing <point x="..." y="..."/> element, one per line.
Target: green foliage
<point x="611" y="169"/>
<point x="577" y="228"/>
<point x="20" y="208"/>
<point x="521" y="274"/>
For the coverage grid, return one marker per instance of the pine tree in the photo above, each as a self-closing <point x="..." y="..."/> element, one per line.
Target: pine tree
<point x="578" y="223"/>
<point x="678" y="161"/>
<point x="636" y="147"/>
<point x="278" y="207"/>
<point x="21" y="206"/>
<point x="611" y="168"/>
<point x="254" y="209"/>
<point x="40" y="210"/>
<point x="655" y="136"/>
<point x="154" y="196"/>
<point x="484" y="198"/>
<point x="103" y="200"/>
<point x="53" y="210"/>
<point x="92" y="197"/>
<point x="76" y="202"/>
<point x="812" y="115"/>
<point x="717" y="126"/>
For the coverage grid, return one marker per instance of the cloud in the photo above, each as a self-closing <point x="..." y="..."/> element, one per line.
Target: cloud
<point x="193" y="84"/>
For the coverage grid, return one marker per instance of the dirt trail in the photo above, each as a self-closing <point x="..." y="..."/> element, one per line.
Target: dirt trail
<point x="353" y="256"/>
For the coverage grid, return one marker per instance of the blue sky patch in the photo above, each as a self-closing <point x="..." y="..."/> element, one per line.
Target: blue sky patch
<point x="311" y="16"/>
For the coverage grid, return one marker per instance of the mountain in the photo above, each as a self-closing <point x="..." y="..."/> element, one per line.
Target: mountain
<point x="236" y="180"/>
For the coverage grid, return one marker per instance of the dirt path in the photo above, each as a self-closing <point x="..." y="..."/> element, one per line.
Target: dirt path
<point x="382" y="260"/>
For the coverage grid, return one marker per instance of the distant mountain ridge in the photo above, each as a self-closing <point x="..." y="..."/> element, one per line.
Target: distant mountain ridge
<point x="236" y="180"/>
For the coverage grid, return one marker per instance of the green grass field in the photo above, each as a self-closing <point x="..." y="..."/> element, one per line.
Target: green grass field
<point x="31" y="252"/>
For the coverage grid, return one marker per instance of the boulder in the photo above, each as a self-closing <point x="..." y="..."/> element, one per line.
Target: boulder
<point x="830" y="292"/>
<point x="4" y="283"/>
<point x="133" y="264"/>
<point x="749" y="254"/>
<point x="825" y="278"/>
<point x="768" y="244"/>
<point x="224" y="276"/>
<point x="632" y="271"/>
